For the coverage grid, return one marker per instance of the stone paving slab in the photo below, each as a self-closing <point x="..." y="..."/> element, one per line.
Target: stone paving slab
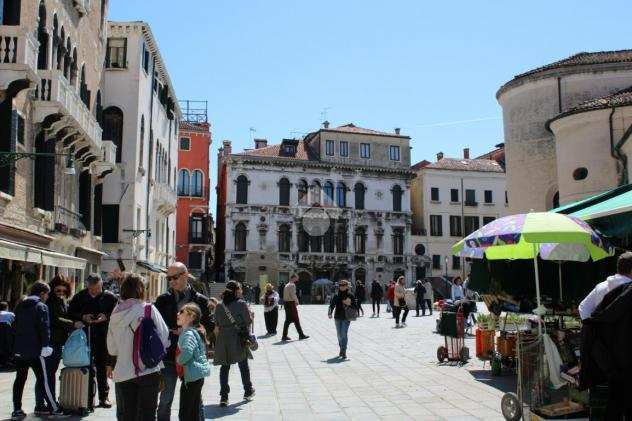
<point x="391" y="374"/>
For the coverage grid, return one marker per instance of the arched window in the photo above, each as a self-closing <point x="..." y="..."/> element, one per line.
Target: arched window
<point x="67" y="59"/>
<point x="341" y="238"/>
<point x="242" y="190"/>
<point x="197" y="183"/>
<point x="44" y="174"/>
<point x="329" y="241"/>
<point x="328" y="191"/>
<point x="42" y="37"/>
<point x="183" y="183"/>
<point x="60" y="49"/>
<point x="53" y="63"/>
<point x="241" y="236"/>
<point x="285" y="239"/>
<point x="341" y="195"/>
<point x="98" y="109"/>
<point x="73" y="67"/>
<point x="10" y="12"/>
<point x="398" y="241"/>
<point x="303" y="240"/>
<point x="284" y="192"/>
<point x="141" y="151"/>
<point x="359" y="190"/>
<point x="113" y="128"/>
<point x="302" y="192"/>
<point x="84" y="93"/>
<point x="360" y="240"/>
<point x="316" y="189"/>
<point x="397" y="198"/>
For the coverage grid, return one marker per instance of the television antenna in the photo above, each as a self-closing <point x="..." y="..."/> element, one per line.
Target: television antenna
<point x="323" y="114"/>
<point x="252" y="133"/>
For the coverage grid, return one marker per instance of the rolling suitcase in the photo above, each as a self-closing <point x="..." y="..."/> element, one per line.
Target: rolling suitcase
<point x="73" y="393"/>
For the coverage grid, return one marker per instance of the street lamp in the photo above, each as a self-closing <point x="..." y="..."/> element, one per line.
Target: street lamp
<point x="9" y="158"/>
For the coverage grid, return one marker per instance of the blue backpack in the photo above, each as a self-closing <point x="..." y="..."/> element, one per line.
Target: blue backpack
<point x="76" y="352"/>
<point x="148" y="346"/>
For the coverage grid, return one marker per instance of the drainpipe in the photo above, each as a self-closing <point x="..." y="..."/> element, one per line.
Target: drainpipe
<point x="615" y="150"/>
<point x="559" y="95"/>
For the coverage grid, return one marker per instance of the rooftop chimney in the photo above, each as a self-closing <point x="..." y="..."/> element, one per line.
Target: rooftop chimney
<point x="466" y="153"/>
<point x="261" y="143"/>
<point x="397" y="130"/>
<point x="439" y="156"/>
<point x="228" y="149"/>
<point x="326" y="124"/>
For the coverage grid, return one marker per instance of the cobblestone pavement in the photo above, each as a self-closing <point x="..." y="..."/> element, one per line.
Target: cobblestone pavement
<point x="391" y="374"/>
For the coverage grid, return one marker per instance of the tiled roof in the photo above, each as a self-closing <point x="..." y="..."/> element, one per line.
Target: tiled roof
<point x="194" y="127"/>
<point x="274" y="151"/>
<point x="579" y="59"/>
<point x="617" y="99"/>
<point x="480" y="165"/>
<point x="420" y="165"/>
<point x="352" y="128"/>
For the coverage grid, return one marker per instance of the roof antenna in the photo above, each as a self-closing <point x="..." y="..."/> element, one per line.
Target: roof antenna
<point x="323" y="114"/>
<point x="252" y="134"/>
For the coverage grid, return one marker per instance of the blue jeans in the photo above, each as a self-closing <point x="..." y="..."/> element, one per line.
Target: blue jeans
<point x="166" y="396"/>
<point x="52" y="364"/>
<point x="342" y="329"/>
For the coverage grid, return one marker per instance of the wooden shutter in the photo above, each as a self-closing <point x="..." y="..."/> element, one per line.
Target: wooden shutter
<point x="85" y="193"/>
<point x="98" y="199"/>
<point x="110" y="228"/>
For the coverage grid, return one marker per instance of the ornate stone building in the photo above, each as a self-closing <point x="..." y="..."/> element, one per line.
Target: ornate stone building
<point x="562" y="127"/>
<point x="51" y="62"/>
<point x="334" y="204"/>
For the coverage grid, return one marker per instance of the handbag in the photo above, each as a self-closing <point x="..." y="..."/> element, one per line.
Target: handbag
<point x="248" y="339"/>
<point x="351" y="313"/>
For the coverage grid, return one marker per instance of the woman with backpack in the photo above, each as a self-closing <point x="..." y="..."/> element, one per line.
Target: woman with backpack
<point x="232" y="319"/>
<point x="191" y="363"/>
<point x="137" y="383"/>
<point x="342" y="300"/>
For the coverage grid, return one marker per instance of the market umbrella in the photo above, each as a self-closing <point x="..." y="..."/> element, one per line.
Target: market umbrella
<point x="552" y="236"/>
<point x="322" y="282"/>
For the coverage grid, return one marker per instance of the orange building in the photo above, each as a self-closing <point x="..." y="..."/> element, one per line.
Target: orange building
<point x="194" y="230"/>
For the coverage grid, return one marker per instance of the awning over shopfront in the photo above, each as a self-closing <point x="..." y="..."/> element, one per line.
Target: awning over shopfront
<point x="24" y="253"/>
<point x="151" y="267"/>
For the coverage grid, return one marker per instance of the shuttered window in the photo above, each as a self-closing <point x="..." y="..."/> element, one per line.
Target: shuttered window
<point x="98" y="198"/>
<point x="85" y="194"/>
<point x="110" y="219"/>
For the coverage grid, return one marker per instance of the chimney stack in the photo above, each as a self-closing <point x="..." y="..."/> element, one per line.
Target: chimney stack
<point x="397" y="130"/>
<point x="439" y="156"/>
<point x="466" y="153"/>
<point x="326" y="124"/>
<point x="228" y="149"/>
<point x="261" y="143"/>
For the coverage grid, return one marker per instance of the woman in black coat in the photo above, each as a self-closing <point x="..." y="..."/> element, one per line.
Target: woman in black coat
<point x="337" y="308"/>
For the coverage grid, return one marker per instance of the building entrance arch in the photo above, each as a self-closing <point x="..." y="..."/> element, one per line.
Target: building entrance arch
<point x="304" y="287"/>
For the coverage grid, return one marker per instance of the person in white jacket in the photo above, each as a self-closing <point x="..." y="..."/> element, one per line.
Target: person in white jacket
<point x="138" y="390"/>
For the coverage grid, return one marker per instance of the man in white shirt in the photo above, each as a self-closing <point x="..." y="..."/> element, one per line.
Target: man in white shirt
<point x="623" y="276"/>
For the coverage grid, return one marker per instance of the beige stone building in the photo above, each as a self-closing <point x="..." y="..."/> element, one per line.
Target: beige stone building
<point x="51" y="63"/>
<point x="562" y="126"/>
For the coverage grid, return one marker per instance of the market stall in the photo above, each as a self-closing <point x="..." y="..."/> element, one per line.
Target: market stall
<point x="543" y="346"/>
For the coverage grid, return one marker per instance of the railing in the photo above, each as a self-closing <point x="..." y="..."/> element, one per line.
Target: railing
<point x="18" y="46"/>
<point x="68" y="222"/>
<point x="306" y="257"/>
<point x="54" y="87"/>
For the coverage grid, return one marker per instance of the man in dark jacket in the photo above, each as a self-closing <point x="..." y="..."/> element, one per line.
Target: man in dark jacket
<point x="420" y="290"/>
<point x="169" y="304"/>
<point x="93" y="307"/>
<point x="32" y="346"/>
<point x="377" y="292"/>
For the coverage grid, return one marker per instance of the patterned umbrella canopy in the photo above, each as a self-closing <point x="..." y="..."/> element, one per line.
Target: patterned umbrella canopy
<point x="551" y="235"/>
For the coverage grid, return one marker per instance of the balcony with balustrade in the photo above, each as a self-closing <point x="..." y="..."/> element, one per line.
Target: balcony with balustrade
<point x="164" y="198"/>
<point x="18" y="55"/>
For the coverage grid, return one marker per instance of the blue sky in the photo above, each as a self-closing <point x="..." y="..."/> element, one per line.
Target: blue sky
<point x="431" y="68"/>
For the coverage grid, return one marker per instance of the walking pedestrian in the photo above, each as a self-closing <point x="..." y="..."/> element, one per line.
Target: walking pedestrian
<point x="271" y="309"/>
<point x="168" y="304"/>
<point x="257" y="293"/>
<point x="191" y="362"/>
<point x="31" y="347"/>
<point x="428" y="298"/>
<point x="231" y="317"/>
<point x="377" y="292"/>
<point x="93" y="306"/>
<point x="400" y="302"/>
<point x="290" y="305"/>
<point x="360" y="295"/>
<point x="342" y="299"/>
<point x="390" y="296"/>
<point x="138" y="386"/>
<point x="420" y="290"/>
<point x="61" y="324"/>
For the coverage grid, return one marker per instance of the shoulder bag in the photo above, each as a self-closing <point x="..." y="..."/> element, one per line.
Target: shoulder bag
<point x="247" y="339"/>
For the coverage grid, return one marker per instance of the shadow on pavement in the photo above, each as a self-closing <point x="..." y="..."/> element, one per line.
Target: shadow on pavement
<point x="334" y="360"/>
<point x="505" y="383"/>
<point x="215" y="412"/>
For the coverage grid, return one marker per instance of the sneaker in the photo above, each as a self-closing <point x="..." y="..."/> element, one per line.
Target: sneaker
<point x="403" y="324"/>
<point x="286" y="338"/>
<point x="248" y="396"/>
<point x="41" y="411"/>
<point x="223" y="402"/>
<point x="396" y="325"/>
<point x="59" y="414"/>
<point x="343" y="355"/>
<point x="105" y="404"/>
<point x="303" y="337"/>
<point x="18" y="414"/>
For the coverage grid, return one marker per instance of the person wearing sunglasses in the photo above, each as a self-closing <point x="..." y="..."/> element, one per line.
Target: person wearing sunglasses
<point x="179" y="294"/>
<point x="61" y="324"/>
